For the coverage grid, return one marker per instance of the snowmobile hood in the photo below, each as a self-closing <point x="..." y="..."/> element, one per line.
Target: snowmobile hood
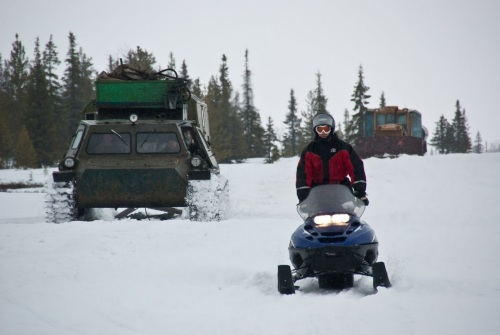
<point x="331" y="198"/>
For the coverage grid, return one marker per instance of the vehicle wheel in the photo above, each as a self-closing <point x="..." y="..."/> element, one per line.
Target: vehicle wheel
<point x="380" y="277"/>
<point x="336" y="281"/>
<point x="285" y="280"/>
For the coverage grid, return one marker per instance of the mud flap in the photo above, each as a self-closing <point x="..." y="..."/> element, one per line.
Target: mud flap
<point x="285" y="280"/>
<point x="380" y="277"/>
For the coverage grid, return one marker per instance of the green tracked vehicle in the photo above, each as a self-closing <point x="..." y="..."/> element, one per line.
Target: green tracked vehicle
<point x="144" y="142"/>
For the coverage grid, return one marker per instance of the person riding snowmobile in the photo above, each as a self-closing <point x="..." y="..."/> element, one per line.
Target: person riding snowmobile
<point x="329" y="160"/>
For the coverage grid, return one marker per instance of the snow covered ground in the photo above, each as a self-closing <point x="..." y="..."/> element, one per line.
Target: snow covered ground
<point x="436" y="218"/>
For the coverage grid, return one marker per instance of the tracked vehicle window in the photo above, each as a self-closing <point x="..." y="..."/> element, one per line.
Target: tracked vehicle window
<point x="390" y="118"/>
<point x="161" y="143"/>
<point x="109" y="143"/>
<point x="78" y="138"/>
<point x="416" y="125"/>
<point x="189" y="140"/>
<point x="401" y="119"/>
<point x="380" y="119"/>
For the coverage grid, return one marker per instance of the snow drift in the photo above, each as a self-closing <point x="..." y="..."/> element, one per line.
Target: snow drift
<point x="435" y="218"/>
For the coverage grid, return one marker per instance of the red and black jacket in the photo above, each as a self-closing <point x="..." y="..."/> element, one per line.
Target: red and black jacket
<point x="329" y="161"/>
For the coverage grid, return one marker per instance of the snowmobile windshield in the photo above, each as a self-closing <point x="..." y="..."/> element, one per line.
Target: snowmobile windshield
<point x="329" y="199"/>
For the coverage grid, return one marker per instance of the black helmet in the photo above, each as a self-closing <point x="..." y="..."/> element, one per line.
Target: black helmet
<point x="323" y="119"/>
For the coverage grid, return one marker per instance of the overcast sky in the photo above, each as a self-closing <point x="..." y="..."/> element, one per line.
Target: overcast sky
<point x="423" y="55"/>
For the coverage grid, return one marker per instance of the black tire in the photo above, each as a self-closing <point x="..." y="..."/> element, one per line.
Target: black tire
<point x="285" y="280"/>
<point x="380" y="277"/>
<point x="336" y="281"/>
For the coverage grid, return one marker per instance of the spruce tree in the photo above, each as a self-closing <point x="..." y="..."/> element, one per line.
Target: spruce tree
<point x="382" y="103"/>
<point x="462" y="143"/>
<point x="449" y="143"/>
<point x="250" y="117"/>
<point x="111" y="64"/>
<point x="6" y="138"/>
<point x="70" y="95"/>
<point x="6" y="135"/>
<point x="51" y="63"/>
<point x="320" y="98"/>
<point x="225" y="125"/>
<point x="3" y="118"/>
<point x="24" y="153"/>
<point x="114" y="63"/>
<point x="439" y="139"/>
<point x="3" y="87"/>
<point x="347" y="125"/>
<point x="196" y="89"/>
<point x="141" y="59"/>
<point x="271" y="150"/>
<point x="478" y="144"/>
<point x="171" y="61"/>
<point x="218" y="133"/>
<point x="78" y="88"/>
<point x="230" y="118"/>
<point x="308" y="115"/>
<point x="291" y="139"/>
<point x="16" y="79"/>
<point x="87" y="78"/>
<point x="39" y="121"/>
<point x="224" y="131"/>
<point x="16" y="71"/>
<point x="184" y="71"/>
<point x="315" y="104"/>
<point x="466" y="142"/>
<point x="360" y="99"/>
<point x="338" y="130"/>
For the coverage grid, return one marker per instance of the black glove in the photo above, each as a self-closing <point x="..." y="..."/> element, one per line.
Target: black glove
<point x="359" y="188"/>
<point x="302" y="193"/>
<point x="362" y="197"/>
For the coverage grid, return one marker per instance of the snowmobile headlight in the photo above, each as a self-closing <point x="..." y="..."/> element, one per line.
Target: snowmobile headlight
<point x="331" y="220"/>
<point x="69" y="162"/>
<point x="196" y="161"/>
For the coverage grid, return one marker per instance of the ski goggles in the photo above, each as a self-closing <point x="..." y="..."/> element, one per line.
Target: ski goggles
<point x="323" y="129"/>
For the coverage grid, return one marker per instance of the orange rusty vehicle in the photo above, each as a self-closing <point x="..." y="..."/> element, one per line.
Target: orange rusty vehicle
<point x="390" y="132"/>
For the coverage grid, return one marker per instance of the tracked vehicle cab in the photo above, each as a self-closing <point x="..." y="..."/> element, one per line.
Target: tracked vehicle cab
<point x="144" y="142"/>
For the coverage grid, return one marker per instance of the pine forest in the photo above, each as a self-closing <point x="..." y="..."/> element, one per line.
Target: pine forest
<point x="39" y="110"/>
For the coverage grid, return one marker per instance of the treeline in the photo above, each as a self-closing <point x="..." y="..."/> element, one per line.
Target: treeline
<point x="39" y="111"/>
<point x="454" y="137"/>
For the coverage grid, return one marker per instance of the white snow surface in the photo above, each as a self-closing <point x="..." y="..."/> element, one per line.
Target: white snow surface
<point x="436" y="219"/>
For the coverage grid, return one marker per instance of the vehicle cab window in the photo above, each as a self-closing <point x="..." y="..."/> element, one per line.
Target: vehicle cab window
<point x="189" y="139"/>
<point x="380" y="119"/>
<point x="157" y="143"/>
<point x="108" y="143"/>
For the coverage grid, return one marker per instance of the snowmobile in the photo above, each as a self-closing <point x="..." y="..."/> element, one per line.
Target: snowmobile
<point x="333" y="244"/>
